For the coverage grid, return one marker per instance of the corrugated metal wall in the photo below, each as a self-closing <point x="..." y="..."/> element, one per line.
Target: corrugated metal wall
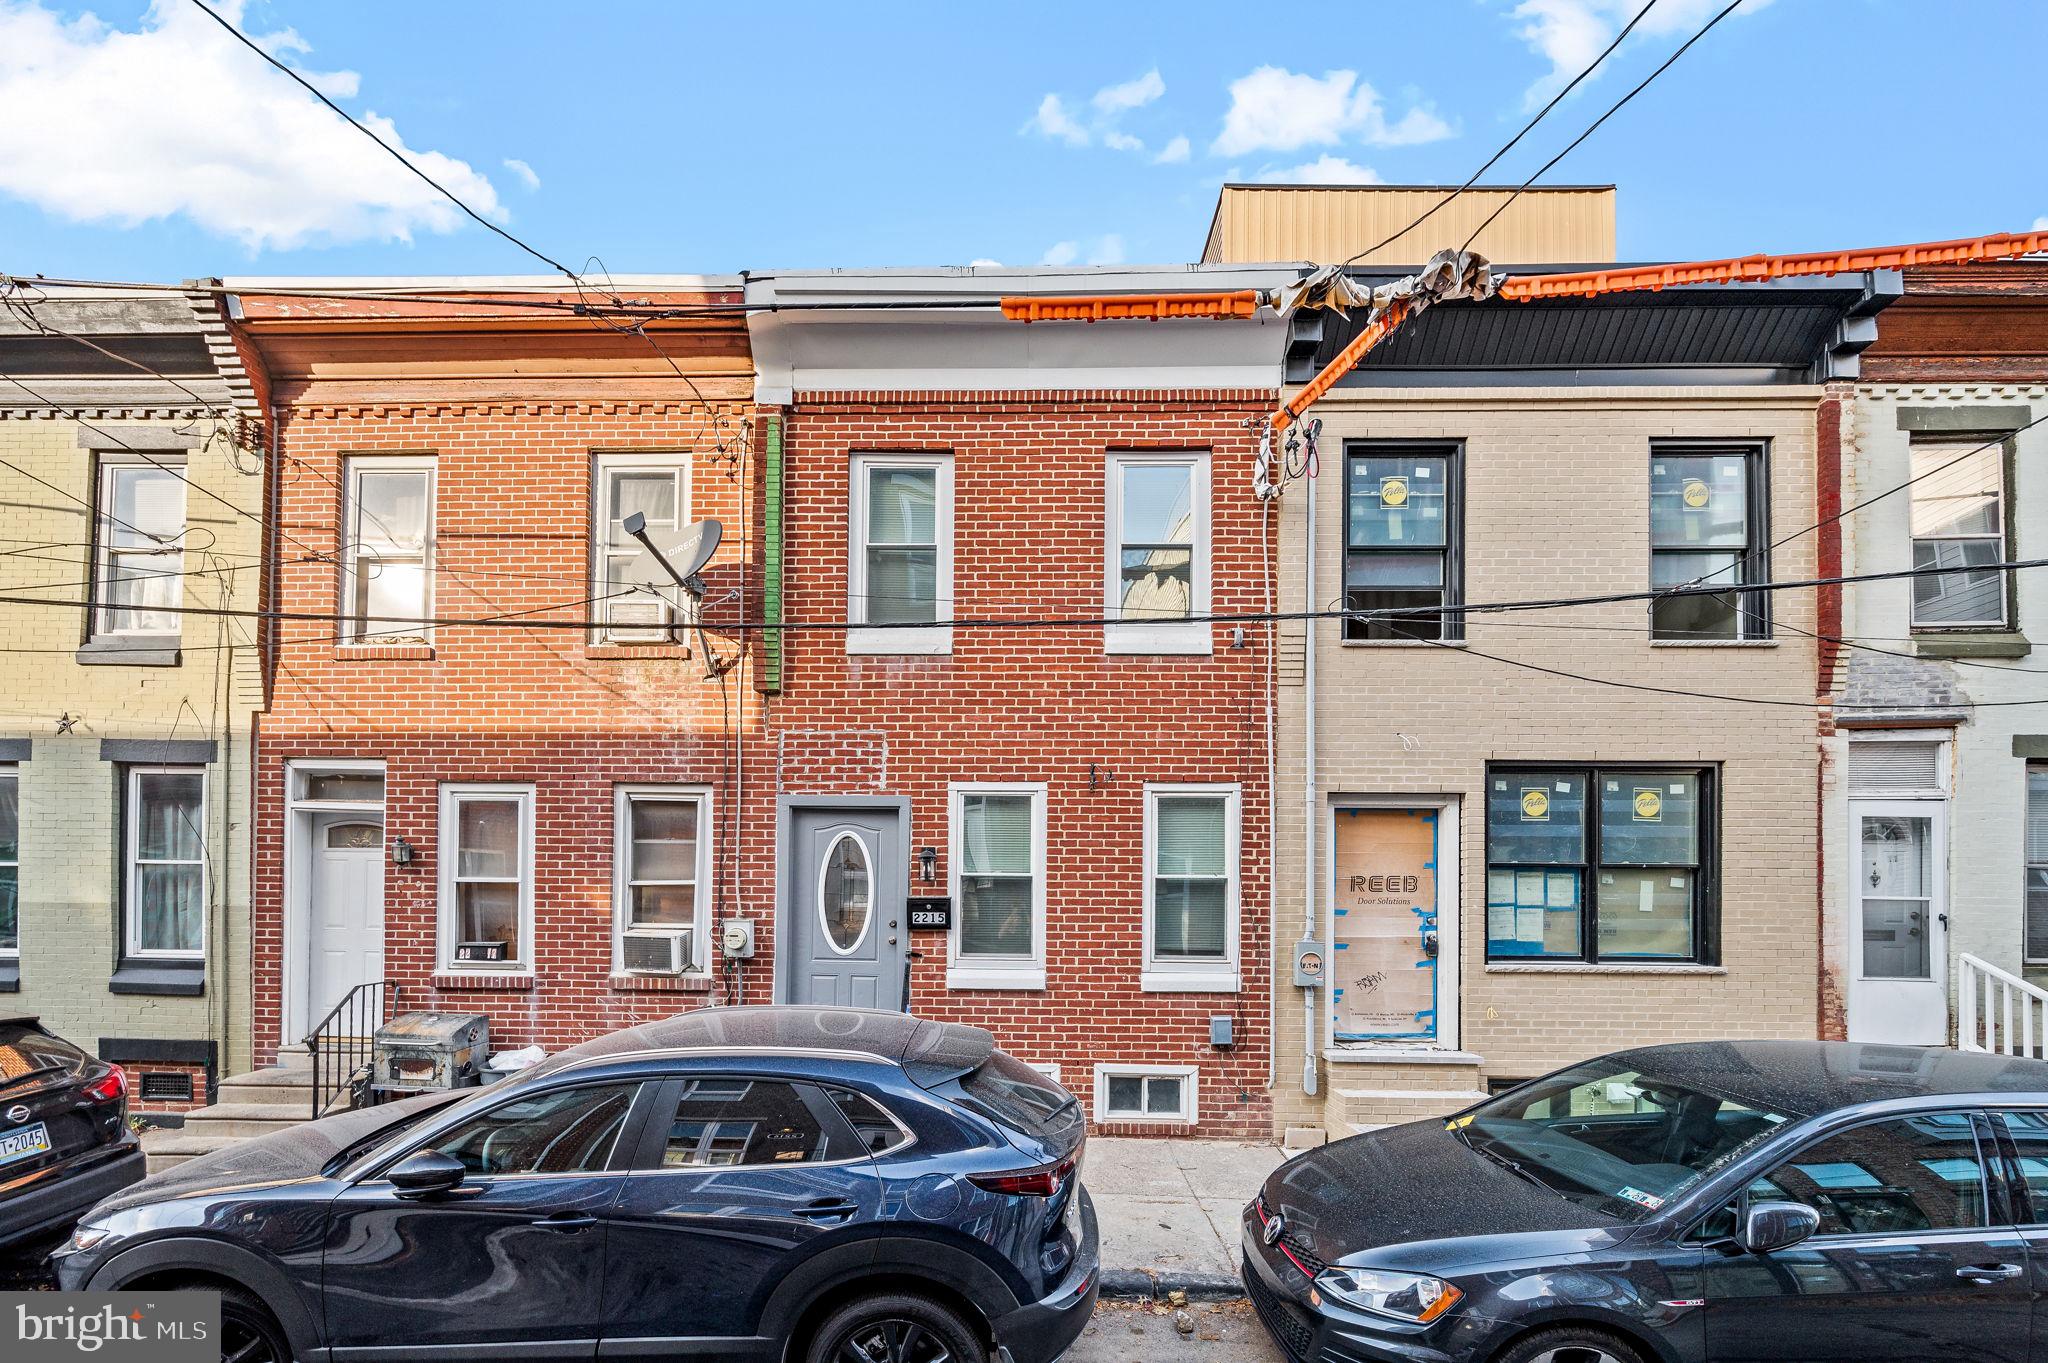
<point x="1328" y="223"/>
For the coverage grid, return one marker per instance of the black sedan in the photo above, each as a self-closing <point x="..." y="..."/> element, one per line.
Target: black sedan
<point x="1733" y="1201"/>
<point x="803" y="1184"/>
<point x="64" y="1137"/>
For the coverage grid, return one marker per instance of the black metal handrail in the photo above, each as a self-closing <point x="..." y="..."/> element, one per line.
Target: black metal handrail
<point x="344" y="1045"/>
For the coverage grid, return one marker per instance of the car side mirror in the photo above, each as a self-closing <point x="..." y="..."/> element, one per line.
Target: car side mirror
<point x="426" y="1172"/>
<point x="1768" y="1227"/>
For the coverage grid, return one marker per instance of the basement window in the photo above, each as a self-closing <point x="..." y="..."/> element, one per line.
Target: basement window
<point x="1145" y="1093"/>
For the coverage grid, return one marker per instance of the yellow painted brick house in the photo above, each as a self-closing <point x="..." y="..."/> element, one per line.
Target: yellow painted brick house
<point x="131" y="521"/>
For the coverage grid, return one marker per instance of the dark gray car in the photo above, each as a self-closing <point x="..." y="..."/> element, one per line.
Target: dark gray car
<point x="1735" y="1201"/>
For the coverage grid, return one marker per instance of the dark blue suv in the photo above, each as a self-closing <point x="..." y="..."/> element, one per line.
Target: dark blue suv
<point x="789" y="1184"/>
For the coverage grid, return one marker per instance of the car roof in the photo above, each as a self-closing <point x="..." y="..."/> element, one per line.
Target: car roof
<point x="1808" y="1078"/>
<point x="930" y="1052"/>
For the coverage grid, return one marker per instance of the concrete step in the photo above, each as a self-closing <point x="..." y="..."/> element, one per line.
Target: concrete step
<point x="163" y="1150"/>
<point x="244" y="1119"/>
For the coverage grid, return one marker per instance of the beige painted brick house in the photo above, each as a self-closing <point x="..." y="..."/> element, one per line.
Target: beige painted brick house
<point x="128" y="500"/>
<point x="1509" y="841"/>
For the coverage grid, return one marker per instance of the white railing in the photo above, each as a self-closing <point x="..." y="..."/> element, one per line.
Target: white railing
<point x="1998" y="1011"/>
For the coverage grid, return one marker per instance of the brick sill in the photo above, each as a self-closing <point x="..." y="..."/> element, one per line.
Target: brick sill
<point x="662" y="984"/>
<point x="480" y="982"/>
<point x="376" y="653"/>
<point x="627" y="652"/>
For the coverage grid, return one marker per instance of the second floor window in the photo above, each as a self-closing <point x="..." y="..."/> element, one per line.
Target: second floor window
<point x="1707" y="528"/>
<point x="651" y="604"/>
<point x="1401" y="542"/>
<point x="900" y="566"/>
<point x="1958" y="521"/>
<point x="1158" y="569"/>
<point x="387" y="592"/>
<point x="141" y="522"/>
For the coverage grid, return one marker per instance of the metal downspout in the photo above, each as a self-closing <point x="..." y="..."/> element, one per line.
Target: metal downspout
<point x="1309" y="1067"/>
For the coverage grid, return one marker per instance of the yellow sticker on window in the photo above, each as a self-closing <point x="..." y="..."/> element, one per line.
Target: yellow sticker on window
<point x="1535" y="805"/>
<point x="1695" y="493"/>
<point x="1649" y="805"/>
<point x="1394" y="491"/>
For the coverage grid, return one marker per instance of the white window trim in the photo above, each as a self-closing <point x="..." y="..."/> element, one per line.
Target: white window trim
<point x="603" y="465"/>
<point x="131" y="808"/>
<point x="103" y="547"/>
<point x="1177" y="976"/>
<point x="445" y="853"/>
<point x="1187" y="636"/>
<point x="2001" y="537"/>
<point x="622" y="856"/>
<point x="12" y="772"/>
<point x="354" y="547"/>
<point x="933" y="639"/>
<point x="996" y="972"/>
<point x="1187" y="1074"/>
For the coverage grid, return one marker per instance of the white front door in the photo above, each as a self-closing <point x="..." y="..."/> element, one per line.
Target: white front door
<point x="346" y="946"/>
<point x="1898" y="922"/>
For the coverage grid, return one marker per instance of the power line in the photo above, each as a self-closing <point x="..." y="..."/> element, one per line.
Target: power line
<point x="1556" y="99"/>
<point x="1612" y="110"/>
<point x="394" y="153"/>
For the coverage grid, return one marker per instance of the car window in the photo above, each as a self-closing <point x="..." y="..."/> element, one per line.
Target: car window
<point x="26" y="1049"/>
<point x="564" y="1131"/>
<point x="1621" y="1141"/>
<point x="1913" y="1174"/>
<point x="748" y="1121"/>
<point x="1023" y="1099"/>
<point x="872" y="1126"/>
<point x="2029" y="1131"/>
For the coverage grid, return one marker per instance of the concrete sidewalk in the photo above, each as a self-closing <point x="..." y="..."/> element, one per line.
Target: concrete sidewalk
<point x="1168" y="1212"/>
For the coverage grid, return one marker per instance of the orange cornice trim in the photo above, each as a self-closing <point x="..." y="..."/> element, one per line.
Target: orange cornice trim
<point x="1143" y="307"/>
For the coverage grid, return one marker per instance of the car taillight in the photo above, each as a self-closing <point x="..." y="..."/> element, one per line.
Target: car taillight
<point x="111" y="1089"/>
<point x="1041" y="1182"/>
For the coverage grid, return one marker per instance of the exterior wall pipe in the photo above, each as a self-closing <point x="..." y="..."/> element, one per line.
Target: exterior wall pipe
<point x="1310" y="821"/>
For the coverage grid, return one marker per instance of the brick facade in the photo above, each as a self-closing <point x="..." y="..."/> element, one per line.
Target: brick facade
<point x="1047" y="705"/>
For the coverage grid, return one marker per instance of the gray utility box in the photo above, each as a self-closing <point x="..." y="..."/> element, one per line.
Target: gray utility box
<point x="421" y="1052"/>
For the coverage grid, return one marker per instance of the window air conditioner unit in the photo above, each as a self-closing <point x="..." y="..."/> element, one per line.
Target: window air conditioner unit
<point x="657" y="953"/>
<point x="640" y="619"/>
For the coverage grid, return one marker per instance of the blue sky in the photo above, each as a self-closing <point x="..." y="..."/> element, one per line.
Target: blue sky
<point x="688" y="137"/>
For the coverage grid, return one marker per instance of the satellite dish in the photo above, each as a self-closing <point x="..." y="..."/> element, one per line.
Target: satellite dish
<point x="682" y="552"/>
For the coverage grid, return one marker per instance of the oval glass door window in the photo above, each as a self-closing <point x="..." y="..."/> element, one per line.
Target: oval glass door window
<point x="354" y="836"/>
<point x="845" y="901"/>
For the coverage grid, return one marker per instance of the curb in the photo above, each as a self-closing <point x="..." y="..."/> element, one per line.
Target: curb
<point x="1145" y="1284"/>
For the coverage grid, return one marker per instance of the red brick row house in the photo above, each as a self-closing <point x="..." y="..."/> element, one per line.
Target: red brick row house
<point x="502" y="773"/>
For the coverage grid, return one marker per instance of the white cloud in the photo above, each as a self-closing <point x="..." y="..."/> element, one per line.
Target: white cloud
<point x="524" y="172"/>
<point x="984" y="262"/>
<point x="2041" y="224"/>
<point x="1109" y="250"/>
<point x="1117" y="141"/>
<point x="175" y="118"/>
<point x="1324" y="170"/>
<point x="1061" y="253"/>
<point x="1274" y="109"/>
<point x="1132" y="94"/>
<point x="1053" y="120"/>
<point x="1569" y="34"/>
<point x="1173" y="153"/>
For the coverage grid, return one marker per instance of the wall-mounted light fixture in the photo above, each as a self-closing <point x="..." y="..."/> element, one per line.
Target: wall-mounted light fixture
<point x="927" y="864"/>
<point x="401" y="852"/>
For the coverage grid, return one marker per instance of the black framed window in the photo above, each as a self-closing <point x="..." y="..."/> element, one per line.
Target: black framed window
<point x="1403" y="540"/>
<point x="1709" y="525"/>
<point x="1601" y="864"/>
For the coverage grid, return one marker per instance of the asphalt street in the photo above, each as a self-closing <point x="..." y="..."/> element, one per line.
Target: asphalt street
<point x="1131" y="1332"/>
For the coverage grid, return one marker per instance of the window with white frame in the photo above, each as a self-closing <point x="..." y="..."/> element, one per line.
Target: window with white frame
<point x="10" y="861"/>
<point x="1145" y="1093"/>
<point x="656" y="486"/>
<point x="2037" y="864"/>
<point x="486" y="862"/>
<point x="998" y="866"/>
<point x="661" y="863"/>
<point x="388" y="556"/>
<point x="1958" y="521"/>
<point x="1156" y="581"/>
<point x="900" y="569"/>
<point x="140" y="562"/>
<point x="1191" y="895"/>
<point x="165" y="842"/>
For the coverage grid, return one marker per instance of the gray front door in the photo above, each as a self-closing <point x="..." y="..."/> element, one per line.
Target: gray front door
<point x="842" y="903"/>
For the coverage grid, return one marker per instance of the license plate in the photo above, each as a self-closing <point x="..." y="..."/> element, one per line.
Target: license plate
<point x="23" y="1142"/>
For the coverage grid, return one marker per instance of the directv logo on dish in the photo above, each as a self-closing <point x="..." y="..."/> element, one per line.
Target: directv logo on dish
<point x="112" y="1327"/>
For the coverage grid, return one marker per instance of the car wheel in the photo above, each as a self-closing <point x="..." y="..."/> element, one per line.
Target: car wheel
<point x="248" y="1332"/>
<point x="1571" y="1346"/>
<point x="894" y="1329"/>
